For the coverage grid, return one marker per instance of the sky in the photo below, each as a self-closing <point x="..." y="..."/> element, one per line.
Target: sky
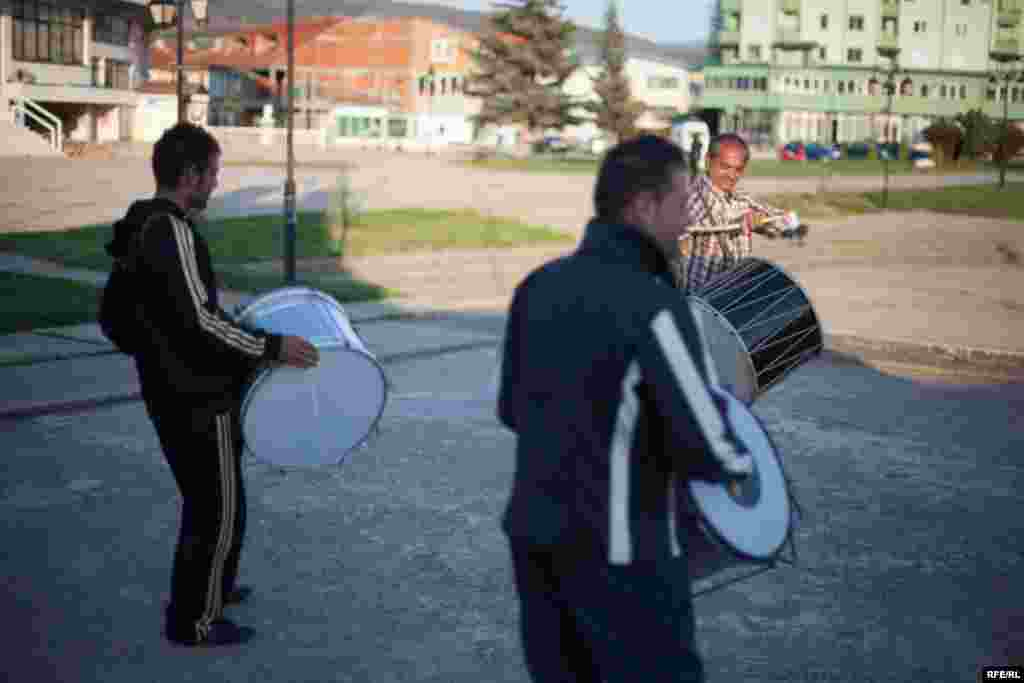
<point x="664" y="21"/>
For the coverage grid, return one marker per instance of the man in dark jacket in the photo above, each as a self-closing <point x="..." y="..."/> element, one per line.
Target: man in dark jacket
<point x="605" y="382"/>
<point x="193" y="361"/>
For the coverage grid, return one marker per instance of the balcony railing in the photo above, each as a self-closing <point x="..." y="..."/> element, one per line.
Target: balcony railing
<point x="888" y="40"/>
<point x="1006" y="45"/>
<point x="789" y="6"/>
<point x="890" y="8"/>
<point x="728" y="37"/>
<point x="1008" y="12"/>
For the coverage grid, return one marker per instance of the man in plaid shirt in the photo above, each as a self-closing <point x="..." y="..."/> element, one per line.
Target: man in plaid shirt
<point x="722" y="219"/>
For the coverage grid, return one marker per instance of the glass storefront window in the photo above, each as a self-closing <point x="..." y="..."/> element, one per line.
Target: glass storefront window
<point x="44" y="32"/>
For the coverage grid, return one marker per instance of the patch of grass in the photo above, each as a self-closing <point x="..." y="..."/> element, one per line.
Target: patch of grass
<point x="341" y="286"/>
<point x="246" y="239"/>
<point x="29" y="302"/>
<point x="975" y="200"/>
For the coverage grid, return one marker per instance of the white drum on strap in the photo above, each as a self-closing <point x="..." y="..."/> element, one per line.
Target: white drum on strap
<point x="746" y="524"/>
<point x="294" y="416"/>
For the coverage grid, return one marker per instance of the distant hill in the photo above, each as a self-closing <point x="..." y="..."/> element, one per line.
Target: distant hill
<point x="231" y="14"/>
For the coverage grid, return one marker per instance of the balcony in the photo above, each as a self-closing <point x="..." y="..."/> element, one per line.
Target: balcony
<point x="790" y="39"/>
<point x="1008" y="13"/>
<point x="728" y="38"/>
<point x="888" y="41"/>
<point x="890" y="8"/>
<point x="789" y="6"/>
<point x="1006" y="45"/>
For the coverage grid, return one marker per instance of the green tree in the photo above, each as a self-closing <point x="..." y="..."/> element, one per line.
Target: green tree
<point x="980" y="133"/>
<point x="615" y="109"/>
<point x="523" y="60"/>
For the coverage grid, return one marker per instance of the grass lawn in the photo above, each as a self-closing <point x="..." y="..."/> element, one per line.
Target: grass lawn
<point x="976" y="200"/>
<point x="236" y="241"/>
<point x="29" y="302"/>
<point x="770" y="168"/>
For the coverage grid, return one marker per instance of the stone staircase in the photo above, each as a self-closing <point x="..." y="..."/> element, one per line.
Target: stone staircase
<point x="16" y="141"/>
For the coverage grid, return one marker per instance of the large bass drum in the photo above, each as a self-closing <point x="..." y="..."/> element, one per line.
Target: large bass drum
<point x="316" y="416"/>
<point x="758" y="325"/>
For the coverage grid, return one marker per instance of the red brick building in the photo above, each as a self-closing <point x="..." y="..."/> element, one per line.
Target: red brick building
<point x="365" y="77"/>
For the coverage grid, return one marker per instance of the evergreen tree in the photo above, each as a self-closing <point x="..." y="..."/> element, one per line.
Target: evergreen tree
<point x="615" y="109"/>
<point x="523" y="60"/>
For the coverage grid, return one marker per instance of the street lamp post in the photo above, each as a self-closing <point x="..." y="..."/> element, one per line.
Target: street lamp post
<point x="1006" y="75"/>
<point x="289" y="183"/>
<point x="890" y="53"/>
<point x="167" y="13"/>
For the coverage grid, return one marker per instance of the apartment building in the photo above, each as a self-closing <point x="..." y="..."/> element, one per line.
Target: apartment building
<point x="75" y="62"/>
<point x="814" y="70"/>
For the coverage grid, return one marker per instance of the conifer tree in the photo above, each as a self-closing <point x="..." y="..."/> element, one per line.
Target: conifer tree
<point x="615" y="109"/>
<point x="523" y="60"/>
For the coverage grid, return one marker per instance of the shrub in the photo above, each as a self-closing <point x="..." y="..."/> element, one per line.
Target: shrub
<point x="945" y="138"/>
<point x="1009" y="142"/>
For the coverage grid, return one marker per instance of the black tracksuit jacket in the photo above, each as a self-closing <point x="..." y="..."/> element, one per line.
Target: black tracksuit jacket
<point x="604" y="381"/>
<point x="192" y="355"/>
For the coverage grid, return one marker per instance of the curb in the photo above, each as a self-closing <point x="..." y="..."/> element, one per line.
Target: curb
<point x="946" y="356"/>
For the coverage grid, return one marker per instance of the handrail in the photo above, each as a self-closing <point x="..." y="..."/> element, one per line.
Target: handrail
<point x="16" y="108"/>
<point x="51" y="122"/>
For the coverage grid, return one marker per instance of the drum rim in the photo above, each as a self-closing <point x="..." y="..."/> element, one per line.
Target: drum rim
<point x="282" y="292"/>
<point x="266" y="372"/>
<point x="717" y="535"/>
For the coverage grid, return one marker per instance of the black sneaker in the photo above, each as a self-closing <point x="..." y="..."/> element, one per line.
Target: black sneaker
<point x="220" y="632"/>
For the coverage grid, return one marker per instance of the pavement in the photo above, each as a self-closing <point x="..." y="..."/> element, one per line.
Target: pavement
<point x="900" y="440"/>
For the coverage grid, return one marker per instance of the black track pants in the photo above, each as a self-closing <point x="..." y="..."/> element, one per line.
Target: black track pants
<point x="204" y="453"/>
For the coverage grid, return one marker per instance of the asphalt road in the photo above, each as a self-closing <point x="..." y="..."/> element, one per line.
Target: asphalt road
<point x="391" y="567"/>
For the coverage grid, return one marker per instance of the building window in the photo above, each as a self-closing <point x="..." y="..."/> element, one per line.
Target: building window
<point x="1015" y="94"/>
<point x="961" y="29"/>
<point x="112" y="30"/>
<point x="963" y="92"/>
<point x="44" y="32"/>
<point x="823" y="22"/>
<point x="920" y="27"/>
<point x="924" y="90"/>
<point x="828" y="85"/>
<point x="854" y="55"/>
<point x="117" y="75"/>
<point x="942" y="90"/>
<point x="440" y="50"/>
<point x="856" y="22"/>
<point x="965" y="3"/>
<point x="823" y="53"/>
<point x="849" y="88"/>
<point x="755" y="52"/>
<point x="842" y="87"/>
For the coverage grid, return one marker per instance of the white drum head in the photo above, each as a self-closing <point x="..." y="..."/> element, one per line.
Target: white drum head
<point x="293" y="416"/>
<point x="733" y="367"/>
<point x="754" y="525"/>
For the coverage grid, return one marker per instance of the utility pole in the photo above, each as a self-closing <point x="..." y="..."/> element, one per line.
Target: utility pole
<point x="289" y="183"/>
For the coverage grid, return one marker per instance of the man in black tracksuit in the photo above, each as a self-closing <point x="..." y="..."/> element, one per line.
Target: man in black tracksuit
<point x="193" y="361"/>
<point x="605" y="382"/>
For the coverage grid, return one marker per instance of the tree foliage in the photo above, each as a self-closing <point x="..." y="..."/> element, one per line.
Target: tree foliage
<point x="615" y="109"/>
<point x="523" y="60"/>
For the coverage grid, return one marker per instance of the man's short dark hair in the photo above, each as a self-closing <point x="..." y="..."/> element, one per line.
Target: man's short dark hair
<point x="181" y="146"/>
<point x="644" y="164"/>
<point x="728" y="139"/>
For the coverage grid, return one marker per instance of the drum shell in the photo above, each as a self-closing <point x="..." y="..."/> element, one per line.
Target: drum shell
<point x="330" y="409"/>
<point x="759" y="325"/>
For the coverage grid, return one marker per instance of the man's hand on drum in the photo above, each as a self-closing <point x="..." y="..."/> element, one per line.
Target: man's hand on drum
<point x="298" y="353"/>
